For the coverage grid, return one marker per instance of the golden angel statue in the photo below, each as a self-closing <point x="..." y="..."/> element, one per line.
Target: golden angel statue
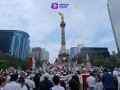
<point x="62" y="16"/>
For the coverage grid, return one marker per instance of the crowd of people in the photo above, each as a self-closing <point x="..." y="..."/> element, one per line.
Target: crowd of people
<point x="61" y="77"/>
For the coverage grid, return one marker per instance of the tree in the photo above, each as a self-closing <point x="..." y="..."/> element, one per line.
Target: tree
<point x="97" y="62"/>
<point x="39" y="63"/>
<point x="7" y="60"/>
<point x="108" y="63"/>
<point x="3" y="64"/>
<point x="77" y="57"/>
<point x="24" y="64"/>
<point x="111" y="62"/>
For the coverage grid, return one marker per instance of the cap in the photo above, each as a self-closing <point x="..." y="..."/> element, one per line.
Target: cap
<point x="46" y="75"/>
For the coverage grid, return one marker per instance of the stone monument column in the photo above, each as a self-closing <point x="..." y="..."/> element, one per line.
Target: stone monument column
<point x="62" y="25"/>
<point x="63" y="53"/>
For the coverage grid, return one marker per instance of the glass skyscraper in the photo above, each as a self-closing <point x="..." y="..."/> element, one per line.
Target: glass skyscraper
<point x="15" y="42"/>
<point x="73" y="51"/>
<point x="114" y="12"/>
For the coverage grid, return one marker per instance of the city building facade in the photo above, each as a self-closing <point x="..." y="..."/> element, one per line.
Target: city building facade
<point x="40" y="53"/>
<point x="47" y="56"/>
<point x="73" y="51"/>
<point x="43" y="54"/>
<point x="15" y="43"/>
<point x="37" y="52"/>
<point x="114" y="13"/>
<point x="94" y="52"/>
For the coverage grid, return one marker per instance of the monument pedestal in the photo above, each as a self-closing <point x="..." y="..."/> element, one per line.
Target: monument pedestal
<point x="63" y="58"/>
<point x="44" y="63"/>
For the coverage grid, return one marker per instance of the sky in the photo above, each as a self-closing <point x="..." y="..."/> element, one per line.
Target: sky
<point x="87" y="21"/>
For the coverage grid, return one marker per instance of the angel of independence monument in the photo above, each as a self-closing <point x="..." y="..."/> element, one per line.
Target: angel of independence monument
<point x="63" y="55"/>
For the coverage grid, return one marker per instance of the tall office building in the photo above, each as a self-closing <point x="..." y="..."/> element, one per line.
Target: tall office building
<point x="47" y="56"/>
<point x="94" y="52"/>
<point x="43" y="54"/>
<point x="114" y="12"/>
<point x="37" y="52"/>
<point x="79" y="46"/>
<point x="15" y="43"/>
<point x="40" y="53"/>
<point x="73" y="51"/>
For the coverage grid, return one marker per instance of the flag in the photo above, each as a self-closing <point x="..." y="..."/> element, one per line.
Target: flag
<point x="31" y="62"/>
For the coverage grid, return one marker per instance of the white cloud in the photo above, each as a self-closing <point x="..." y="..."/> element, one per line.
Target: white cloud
<point x="106" y="40"/>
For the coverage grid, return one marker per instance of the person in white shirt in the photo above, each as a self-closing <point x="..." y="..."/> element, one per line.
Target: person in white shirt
<point x="21" y="81"/>
<point x="3" y="82"/>
<point x="118" y="81"/>
<point x="98" y="84"/>
<point x="56" y="81"/>
<point x="13" y="85"/>
<point x="31" y="83"/>
<point x="90" y="81"/>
